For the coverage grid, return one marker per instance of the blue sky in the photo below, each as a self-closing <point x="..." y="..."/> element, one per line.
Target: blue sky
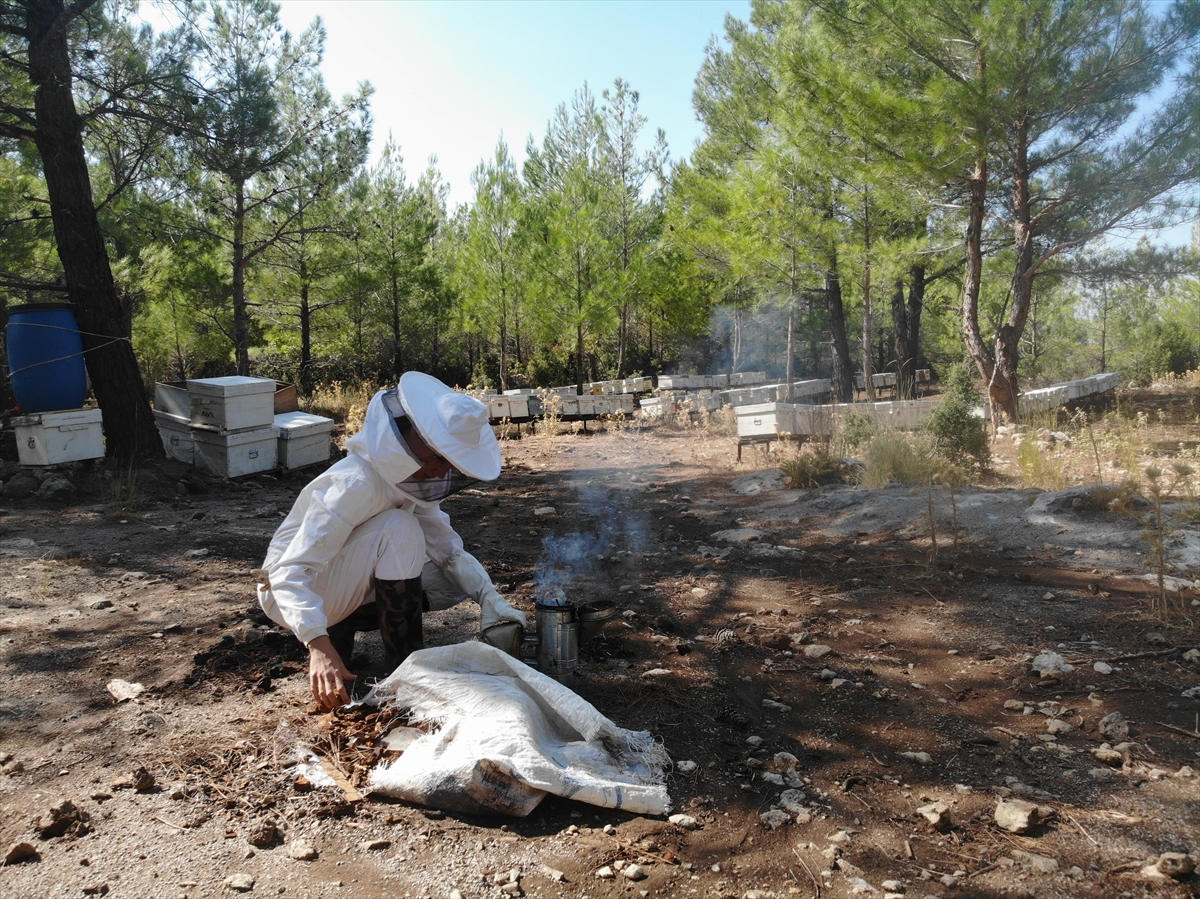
<point x="451" y="76"/>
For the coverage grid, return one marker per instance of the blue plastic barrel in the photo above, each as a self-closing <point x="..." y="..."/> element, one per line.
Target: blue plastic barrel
<point x="45" y="357"/>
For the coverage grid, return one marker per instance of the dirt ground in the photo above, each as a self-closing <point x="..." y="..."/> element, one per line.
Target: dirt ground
<point x="817" y="626"/>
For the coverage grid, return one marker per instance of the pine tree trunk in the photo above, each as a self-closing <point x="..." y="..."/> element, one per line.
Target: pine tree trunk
<point x="867" y="367"/>
<point x="579" y="359"/>
<point x="503" y="332"/>
<point x="1005" y="386"/>
<point x="623" y="336"/>
<point x="241" y="322"/>
<point x="906" y="328"/>
<point x="306" y="368"/>
<point x="397" y="358"/>
<point x="129" y="428"/>
<point x="789" y="368"/>
<point x="985" y="362"/>
<point x="843" y="376"/>
<point x="736" y="349"/>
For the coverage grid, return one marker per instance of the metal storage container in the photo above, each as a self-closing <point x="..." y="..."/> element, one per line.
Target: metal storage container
<point x="304" y="439"/>
<point x="231" y="404"/>
<point x="176" y="434"/>
<point x="233" y="454"/>
<point x="52" y="438"/>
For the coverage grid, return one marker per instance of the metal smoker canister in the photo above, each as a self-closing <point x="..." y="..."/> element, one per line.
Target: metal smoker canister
<point x="558" y="639"/>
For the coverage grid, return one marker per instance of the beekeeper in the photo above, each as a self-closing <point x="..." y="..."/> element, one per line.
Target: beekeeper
<point x="367" y="546"/>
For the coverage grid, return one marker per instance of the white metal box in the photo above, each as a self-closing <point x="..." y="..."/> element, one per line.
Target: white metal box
<point x="304" y="439"/>
<point x="232" y="455"/>
<point x="176" y="434"/>
<point x="171" y="397"/>
<point x="747" y="378"/>
<point x="578" y="405"/>
<point x="231" y="404"/>
<point x="51" y="438"/>
<point x="653" y="406"/>
<point x="766" y="419"/>
<point x="814" y="387"/>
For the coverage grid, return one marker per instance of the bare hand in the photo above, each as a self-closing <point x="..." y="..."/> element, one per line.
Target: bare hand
<point x="327" y="674"/>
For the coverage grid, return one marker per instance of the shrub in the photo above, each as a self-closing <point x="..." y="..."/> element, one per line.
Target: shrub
<point x="813" y="469"/>
<point x="856" y="430"/>
<point x="960" y="436"/>
<point x="1039" y="468"/>
<point x="894" y="457"/>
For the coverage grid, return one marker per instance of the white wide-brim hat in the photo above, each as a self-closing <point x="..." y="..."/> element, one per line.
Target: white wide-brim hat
<point x="453" y="424"/>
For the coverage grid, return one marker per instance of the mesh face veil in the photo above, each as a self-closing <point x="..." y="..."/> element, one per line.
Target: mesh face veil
<point x="429" y="489"/>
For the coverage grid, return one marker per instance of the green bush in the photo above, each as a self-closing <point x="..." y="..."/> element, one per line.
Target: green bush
<point x="960" y="436"/>
<point x="856" y="430"/>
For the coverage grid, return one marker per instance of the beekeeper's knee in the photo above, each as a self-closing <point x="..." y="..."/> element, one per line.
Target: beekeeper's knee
<point x="402" y="547"/>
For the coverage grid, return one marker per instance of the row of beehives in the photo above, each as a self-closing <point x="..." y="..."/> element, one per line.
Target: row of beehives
<point x="617" y="387"/>
<point x="888" y="379"/>
<point x="768" y="419"/>
<point x="711" y="382"/>
<point x="653" y="406"/>
<point x="592" y="388"/>
<point x="237" y="426"/>
<point x="1048" y="398"/>
<point x="772" y="419"/>
<point x="523" y="407"/>
<point x="812" y="391"/>
<point x="645" y="385"/>
<point x="804" y="392"/>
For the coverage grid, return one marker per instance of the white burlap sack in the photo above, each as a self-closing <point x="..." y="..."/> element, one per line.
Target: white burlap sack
<point x="508" y="735"/>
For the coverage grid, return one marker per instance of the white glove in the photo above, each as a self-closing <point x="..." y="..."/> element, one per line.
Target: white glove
<point x="466" y="573"/>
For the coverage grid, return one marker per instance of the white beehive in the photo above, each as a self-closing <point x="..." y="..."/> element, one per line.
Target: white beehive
<point x="231" y="404"/>
<point x="304" y="439"/>
<point x="499" y="407"/>
<point x="747" y="378"/>
<point x="766" y="419"/>
<point x="238" y="453"/>
<point x="176" y="434"/>
<point x="654" y="406"/>
<point x="52" y="438"/>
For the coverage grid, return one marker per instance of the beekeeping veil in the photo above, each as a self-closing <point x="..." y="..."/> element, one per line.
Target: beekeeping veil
<point x="452" y="424"/>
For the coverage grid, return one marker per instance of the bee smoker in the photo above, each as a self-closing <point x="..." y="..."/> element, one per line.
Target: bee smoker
<point x="557" y="638"/>
<point x="560" y="627"/>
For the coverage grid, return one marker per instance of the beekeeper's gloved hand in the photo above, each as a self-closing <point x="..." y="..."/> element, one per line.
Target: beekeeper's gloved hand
<point x="466" y="573"/>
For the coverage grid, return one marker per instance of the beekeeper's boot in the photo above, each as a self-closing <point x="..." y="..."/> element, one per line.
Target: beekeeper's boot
<point x="399" y="605"/>
<point x="341" y="635"/>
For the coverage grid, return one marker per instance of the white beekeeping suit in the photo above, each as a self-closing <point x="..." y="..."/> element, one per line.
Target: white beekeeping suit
<point x="374" y="518"/>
